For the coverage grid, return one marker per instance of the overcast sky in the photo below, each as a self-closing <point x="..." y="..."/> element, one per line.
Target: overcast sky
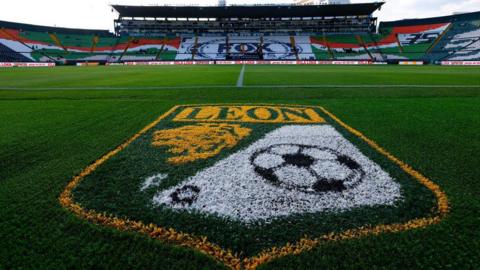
<point x="98" y="14"/>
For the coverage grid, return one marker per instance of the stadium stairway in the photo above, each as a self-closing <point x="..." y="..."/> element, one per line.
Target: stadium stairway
<point x="439" y="39"/>
<point x="129" y="43"/>
<point x="57" y="41"/>
<point x="195" y="47"/>
<point x="329" y="49"/>
<point x="361" y="42"/>
<point x="112" y="57"/>
<point x="293" y="45"/>
<point x="376" y="50"/>
<point x="160" y="51"/>
<point x="95" y="41"/>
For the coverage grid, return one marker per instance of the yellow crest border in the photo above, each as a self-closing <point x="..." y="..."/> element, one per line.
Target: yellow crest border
<point x="227" y="257"/>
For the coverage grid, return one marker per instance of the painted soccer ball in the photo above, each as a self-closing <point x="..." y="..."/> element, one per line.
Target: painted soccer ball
<point x="305" y="168"/>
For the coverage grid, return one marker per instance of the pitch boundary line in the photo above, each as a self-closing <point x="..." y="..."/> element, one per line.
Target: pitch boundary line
<point x="241" y="76"/>
<point x="323" y="86"/>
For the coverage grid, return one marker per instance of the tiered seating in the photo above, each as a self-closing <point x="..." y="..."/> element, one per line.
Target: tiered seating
<point x="80" y="47"/>
<point x="413" y="42"/>
<point x="9" y="55"/>
<point x="446" y="38"/>
<point x="43" y="46"/>
<point x="19" y="42"/>
<point x="12" y="49"/>
<point x="461" y="43"/>
<point x="169" y="52"/>
<point x="210" y="48"/>
<point x="148" y="49"/>
<point x="278" y="48"/>
<point x="342" y="47"/>
<point x="465" y="48"/>
<point x="392" y="43"/>
<point x="304" y="48"/>
<point x="59" y="44"/>
<point x="187" y="46"/>
<point x="245" y="47"/>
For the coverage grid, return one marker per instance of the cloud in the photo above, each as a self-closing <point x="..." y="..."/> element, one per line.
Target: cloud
<point x="98" y="14"/>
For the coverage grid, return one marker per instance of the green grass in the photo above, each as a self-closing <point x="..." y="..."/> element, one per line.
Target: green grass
<point x="119" y="195"/>
<point x="47" y="136"/>
<point x="120" y="76"/>
<point x="361" y="75"/>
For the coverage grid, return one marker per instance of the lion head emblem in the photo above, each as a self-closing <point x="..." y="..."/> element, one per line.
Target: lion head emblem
<point x="202" y="141"/>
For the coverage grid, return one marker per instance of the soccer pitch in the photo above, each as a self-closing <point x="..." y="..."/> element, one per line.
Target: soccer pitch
<point x="56" y="122"/>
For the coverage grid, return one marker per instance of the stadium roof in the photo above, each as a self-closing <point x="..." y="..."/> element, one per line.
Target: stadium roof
<point x="72" y="31"/>
<point x="270" y="11"/>
<point x="444" y="19"/>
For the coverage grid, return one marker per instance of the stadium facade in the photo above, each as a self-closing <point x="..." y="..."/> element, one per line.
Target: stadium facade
<point x="311" y="32"/>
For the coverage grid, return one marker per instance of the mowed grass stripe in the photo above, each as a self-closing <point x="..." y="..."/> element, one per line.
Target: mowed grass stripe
<point x="239" y="84"/>
<point x="159" y="77"/>
<point x="142" y="76"/>
<point x="362" y="75"/>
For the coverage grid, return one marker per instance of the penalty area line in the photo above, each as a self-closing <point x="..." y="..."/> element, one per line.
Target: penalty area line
<point x="240" y="77"/>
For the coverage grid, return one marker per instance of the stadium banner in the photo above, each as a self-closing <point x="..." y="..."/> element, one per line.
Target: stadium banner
<point x="6" y="64"/>
<point x="346" y="62"/>
<point x="149" y="63"/>
<point x="88" y="64"/>
<point x="290" y="62"/>
<point x="10" y="64"/>
<point x="166" y="63"/>
<point x="243" y="62"/>
<point x="304" y="62"/>
<point x="411" y="63"/>
<point x="460" y="63"/>
<point x="248" y="183"/>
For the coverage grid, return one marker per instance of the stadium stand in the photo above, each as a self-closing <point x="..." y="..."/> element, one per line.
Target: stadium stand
<point x="248" y="33"/>
<point x="454" y="38"/>
<point x="255" y="47"/>
<point x="391" y="43"/>
<point x="9" y="55"/>
<point x="158" y="20"/>
<point x="464" y="46"/>
<point x="462" y="42"/>
<point x="46" y="44"/>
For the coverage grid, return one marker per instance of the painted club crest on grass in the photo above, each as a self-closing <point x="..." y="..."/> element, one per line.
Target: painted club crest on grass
<point x="262" y="181"/>
<point x="202" y="141"/>
<point x="294" y="169"/>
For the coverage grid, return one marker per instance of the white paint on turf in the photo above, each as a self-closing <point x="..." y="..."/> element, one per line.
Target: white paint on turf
<point x="240" y="77"/>
<point x="153" y="181"/>
<point x="292" y="170"/>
